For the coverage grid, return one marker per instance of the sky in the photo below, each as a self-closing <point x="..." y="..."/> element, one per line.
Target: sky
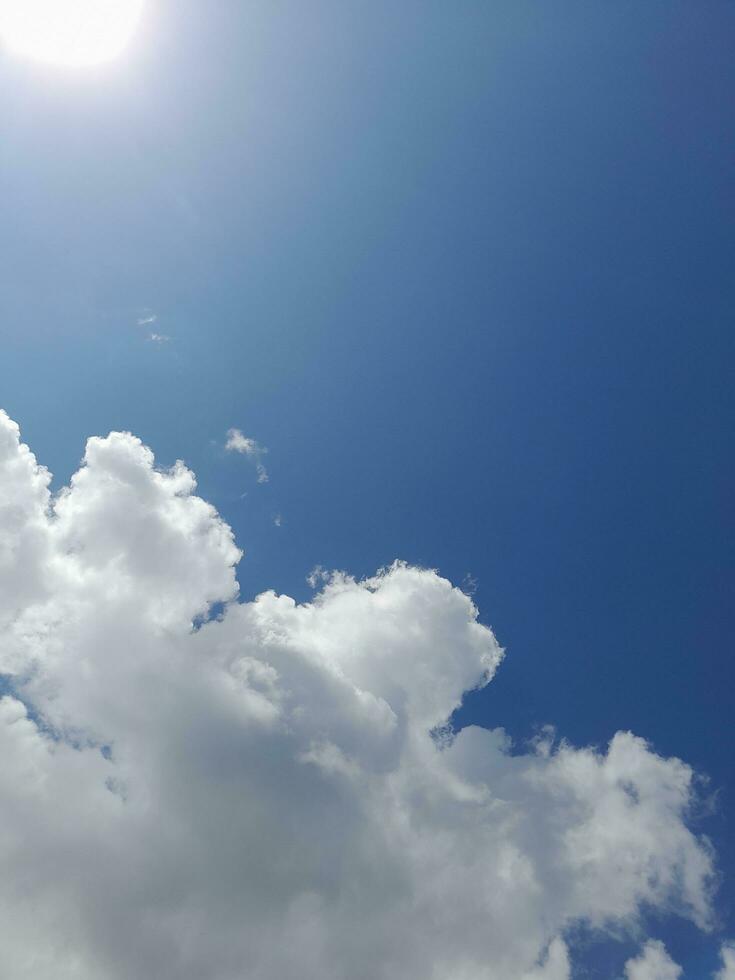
<point x="443" y="283"/>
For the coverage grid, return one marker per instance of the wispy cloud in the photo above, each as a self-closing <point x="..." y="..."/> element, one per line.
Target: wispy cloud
<point x="158" y="338"/>
<point x="239" y="443"/>
<point x="147" y="319"/>
<point x="318" y="576"/>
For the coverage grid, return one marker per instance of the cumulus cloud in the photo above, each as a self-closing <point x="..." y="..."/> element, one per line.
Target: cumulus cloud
<point x="272" y="792"/>
<point x="238" y="443"/>
<point x="654" y="963"/>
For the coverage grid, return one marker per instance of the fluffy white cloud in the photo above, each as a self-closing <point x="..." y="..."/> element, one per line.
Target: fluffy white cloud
<point x="654" y="963"/>
<point x="238" y="443"/>
<point x="727" y="953"/>
<point x="271" y="794"/>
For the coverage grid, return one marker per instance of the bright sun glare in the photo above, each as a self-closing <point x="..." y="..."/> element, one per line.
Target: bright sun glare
<point x="75" y="33"/>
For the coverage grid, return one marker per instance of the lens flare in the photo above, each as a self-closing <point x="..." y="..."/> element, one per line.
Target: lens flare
<point x="73" y="33"/>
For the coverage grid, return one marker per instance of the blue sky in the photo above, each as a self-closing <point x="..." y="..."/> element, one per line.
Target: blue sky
<point x="466" y="271"/>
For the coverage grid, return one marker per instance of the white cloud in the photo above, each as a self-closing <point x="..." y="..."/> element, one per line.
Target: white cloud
<point x="238" y="443"/>
<point x="317" y="576"/>
<point x="654" y="963"/>
<point x="159" y="338"/>
<point x="147" y="319"/>
<point x="727" y="954"/>
<point x="555" y="964"/>
<point x="262" y="796"/>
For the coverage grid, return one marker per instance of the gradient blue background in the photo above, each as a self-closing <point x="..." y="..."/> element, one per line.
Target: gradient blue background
<point x="466" y="268"/>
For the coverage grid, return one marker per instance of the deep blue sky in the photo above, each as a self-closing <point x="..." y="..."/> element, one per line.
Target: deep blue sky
<point x="466" y="269"/>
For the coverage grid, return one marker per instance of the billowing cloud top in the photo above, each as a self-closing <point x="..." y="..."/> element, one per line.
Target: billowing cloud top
<point x="271" y="794"/>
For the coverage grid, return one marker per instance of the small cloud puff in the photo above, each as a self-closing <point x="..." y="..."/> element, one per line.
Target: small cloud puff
<point x="727" y="954"/>
<point x="239" y="443"/>
<point x="318" y="576"/>
<point x="654" y="963"/>
<point x="158" y="338"/>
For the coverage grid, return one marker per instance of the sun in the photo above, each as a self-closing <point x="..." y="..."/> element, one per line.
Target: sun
<point x="74" y="33"/>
